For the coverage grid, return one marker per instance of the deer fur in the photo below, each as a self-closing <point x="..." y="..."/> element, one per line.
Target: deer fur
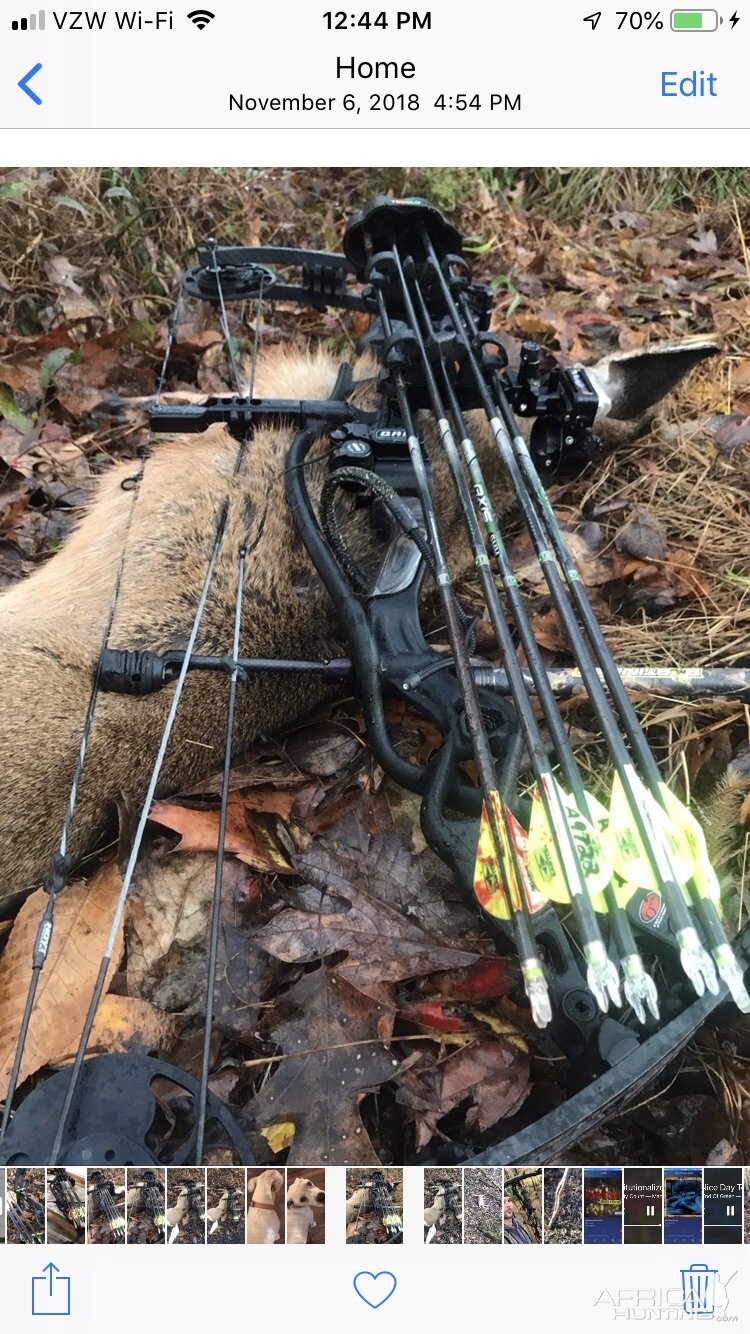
<point x="435" y="1211"/>
<point x="360" y="1200"/>
<point x="51" y="624"/>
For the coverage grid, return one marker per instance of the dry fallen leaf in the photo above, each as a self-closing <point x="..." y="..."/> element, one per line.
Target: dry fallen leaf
<point x="250" y="837"/>
<point x="279" y="1136"/>
<point x="383" y="941"/>
<point x="83" y="917"/>
<point x="125" y="1023"/>
<point x="334" y="1028"/>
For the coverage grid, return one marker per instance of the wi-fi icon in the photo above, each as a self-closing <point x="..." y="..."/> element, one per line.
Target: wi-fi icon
<point x="201" y="18"/>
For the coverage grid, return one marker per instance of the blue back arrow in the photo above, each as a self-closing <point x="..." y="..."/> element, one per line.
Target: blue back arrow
<point x="24" y="84"/>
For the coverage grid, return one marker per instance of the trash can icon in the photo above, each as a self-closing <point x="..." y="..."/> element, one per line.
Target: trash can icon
<point x="698" y="1290"/>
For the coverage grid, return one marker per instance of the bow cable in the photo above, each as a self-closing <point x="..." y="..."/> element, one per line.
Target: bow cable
<point x="61" y="862"/>
<point x="220" y="527"/>
<point x="213" y="944"/>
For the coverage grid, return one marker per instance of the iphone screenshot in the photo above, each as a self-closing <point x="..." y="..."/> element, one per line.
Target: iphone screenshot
<point x="374" y="666"/>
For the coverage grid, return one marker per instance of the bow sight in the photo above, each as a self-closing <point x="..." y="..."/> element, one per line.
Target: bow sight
<point x="642" y="934"/>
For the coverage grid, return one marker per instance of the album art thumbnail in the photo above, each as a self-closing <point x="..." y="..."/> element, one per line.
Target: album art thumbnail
<point x="642" y="1206"/>
<point x="683" y="1205"/>
<point x="722" y="1206"/>
<point x="602" y="1206"/>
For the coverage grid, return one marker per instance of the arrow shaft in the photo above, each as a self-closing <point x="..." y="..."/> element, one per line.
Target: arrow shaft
<point x="511" y="876"/>
<point x="521" y="471"/>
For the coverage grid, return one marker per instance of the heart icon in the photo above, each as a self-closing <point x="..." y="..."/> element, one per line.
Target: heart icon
<point x="375" y="1289"/>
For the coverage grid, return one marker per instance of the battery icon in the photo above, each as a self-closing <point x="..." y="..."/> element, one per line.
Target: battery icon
<point x="694" y="20"/>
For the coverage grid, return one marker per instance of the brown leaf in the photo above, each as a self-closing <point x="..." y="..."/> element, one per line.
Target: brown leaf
<point x="270" y="800"/>
<point x="324" y="749"/>
<point x="254" y="843"/>
<point x="382" y="942"/>
<point x="492" y="1075"/>
<point x="124" y="1023"/>
<point x="733" y="431"/>
<point x="689" y="581"/>
<point x="644" y="537"/>
<point x="335" y="1028"/>
<point x="584" y="541"/>
<point x="83" y="917"/>
<point x="496" y="1077"/>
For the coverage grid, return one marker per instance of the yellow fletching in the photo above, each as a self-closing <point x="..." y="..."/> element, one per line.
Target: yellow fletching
<point x="629" y="855"/>
<point x="495" y="886"/>
<point x="545" y="866"/>
<point x="704" y="875"/>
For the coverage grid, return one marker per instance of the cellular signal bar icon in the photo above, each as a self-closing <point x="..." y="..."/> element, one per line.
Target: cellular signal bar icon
<point x="34" y="23"/>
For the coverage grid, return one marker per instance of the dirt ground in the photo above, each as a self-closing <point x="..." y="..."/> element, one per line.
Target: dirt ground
<point x="483" y="1206"/>
<point x="563" y="1206"/>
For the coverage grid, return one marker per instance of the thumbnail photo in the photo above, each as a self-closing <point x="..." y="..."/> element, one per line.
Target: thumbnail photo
<point x="186" y="1206"/>
<point x="146" y="1206"/>
<point x="266" y="1211"/>
<point x="563" y="1206"/>
<point x="226" y="1200"/>
<point x="523" y="1206"/>
<point x="106" y="1204"/>
<point x="25" y="1215"/>
<point x="306" y="1206"/>
<point x="66" y="1206"/>
<point x="374" y="549"/>
<point x="443" y="1206"/>
<point x="483" y="1206"/>
<point x="374" y="1206"/>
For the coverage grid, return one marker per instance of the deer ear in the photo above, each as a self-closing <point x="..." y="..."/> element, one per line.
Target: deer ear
<point x="632" y="382"/>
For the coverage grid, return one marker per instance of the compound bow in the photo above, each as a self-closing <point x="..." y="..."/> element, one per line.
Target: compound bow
<point x="150" y="1201"/>
<point x="633" y="874"/>
<point x="66" y="1197"/>
<point x="25" y="1212"/>
<point x="229" y="1229"/>
<point x="102" y="1192"/>
<point x="378" y="1201"/>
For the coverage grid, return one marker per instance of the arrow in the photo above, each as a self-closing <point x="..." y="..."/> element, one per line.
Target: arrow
<point x="24" y="84"/>
<point x="503" y="888"/>
<point x="52" y="1267"/>
<point x="593" y="19"/>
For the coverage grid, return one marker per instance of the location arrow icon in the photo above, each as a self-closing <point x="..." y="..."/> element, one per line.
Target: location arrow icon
<point x="593" y="19"/>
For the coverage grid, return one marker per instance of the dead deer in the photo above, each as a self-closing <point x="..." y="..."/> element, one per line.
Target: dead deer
<point x="51" y="624"/>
